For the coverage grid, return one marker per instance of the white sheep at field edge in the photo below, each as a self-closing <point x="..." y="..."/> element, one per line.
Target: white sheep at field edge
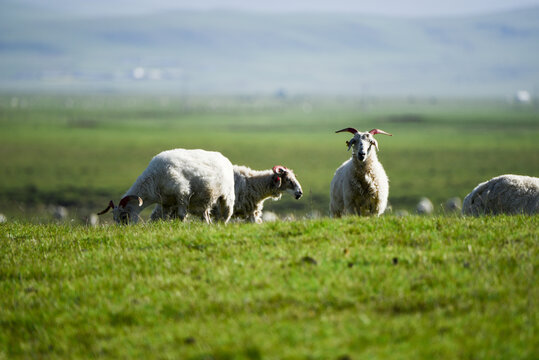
<point x="253" y="187"/>
<point x="504" y="194"/>
<point x="180" y="181"/>
<point x="360" y="185"/>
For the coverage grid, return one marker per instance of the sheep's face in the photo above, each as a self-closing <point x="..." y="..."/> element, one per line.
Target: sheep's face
<point x="363" y="142"/>
<point x="123" y="216"/>
<point x="285" y="180"/>
<point x="364" y="145"/>
<point x="127" y="210"/>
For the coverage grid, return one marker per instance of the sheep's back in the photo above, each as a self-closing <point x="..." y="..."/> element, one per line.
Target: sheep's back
<point x="505" y="194"/>
<point x="203" y="173"/>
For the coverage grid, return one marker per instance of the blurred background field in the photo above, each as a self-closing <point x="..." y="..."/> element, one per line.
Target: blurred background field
<point x="81" y="151"/>
<point x="90" y="91"/>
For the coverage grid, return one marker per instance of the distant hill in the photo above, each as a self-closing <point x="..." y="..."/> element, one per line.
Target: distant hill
<point x="240" y="52"/>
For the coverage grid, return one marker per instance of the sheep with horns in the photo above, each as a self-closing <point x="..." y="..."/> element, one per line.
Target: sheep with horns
<point x="360" y="185"/>
<point x="253" y="187"/>
<point x="180" y="181"/>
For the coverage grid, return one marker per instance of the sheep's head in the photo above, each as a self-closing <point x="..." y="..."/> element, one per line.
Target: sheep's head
<point x="285" y="180"/>
<point x="127" y="210"/>
<point x="363" y="143"/>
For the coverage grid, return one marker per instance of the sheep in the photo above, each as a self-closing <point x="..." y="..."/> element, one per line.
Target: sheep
<point x="424" y="206"/>
<point x="453" y="204"/>
<point x="253" y="187"/>
<point x="504" y="194"/>
<point x="360" y="185"/>
<point x="59" y="212"/>
<point x="180" y="181"/>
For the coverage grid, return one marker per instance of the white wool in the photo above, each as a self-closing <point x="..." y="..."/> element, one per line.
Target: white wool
<point x="183" y="181"/>
<point x="505" y="194"/>
<point x="360" y="187"/>
<point x="253" y="187"/>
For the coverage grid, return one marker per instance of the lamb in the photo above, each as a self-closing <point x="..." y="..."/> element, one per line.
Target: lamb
<point x="360" y="185"/>
<point x="180" y="181"/>
<point x="253" y="187"/>
<point x="505" y="194"/>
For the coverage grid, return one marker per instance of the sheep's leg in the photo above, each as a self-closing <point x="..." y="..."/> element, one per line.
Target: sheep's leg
<point x="180" y="210"/>
<point x="254" y="219"/>
<point x="217" y="212"/>
<point x="206" y="216"/>
<point x="180" y="213"/>
<point x="167" y="213"/>
<point x="157" y="213"/>
<point x="225" y="208"/>
<point x="375" y="210"/>
<point x="350" y="207"/>
<point x="334" y="210"/>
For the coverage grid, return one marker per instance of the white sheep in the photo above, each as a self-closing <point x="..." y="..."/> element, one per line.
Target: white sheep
<point x="180" y="181"/>
<point x="253" y="187"/>
<point x="424" y="206"/>
<point x="505" y="194"/>
<point x="360" y="185"/>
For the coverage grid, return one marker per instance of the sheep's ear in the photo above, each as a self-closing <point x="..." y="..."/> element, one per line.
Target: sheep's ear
<point x="277" y="180"/>
<point x="279" y="169"/>
<point x="130" y="200"/>
<point x="350" y="143"/>
<point x="375" y="143"/>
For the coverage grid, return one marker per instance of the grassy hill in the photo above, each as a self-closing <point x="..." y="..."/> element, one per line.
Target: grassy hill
<point x="355" y="288"/>
<point x="241" y="52"/>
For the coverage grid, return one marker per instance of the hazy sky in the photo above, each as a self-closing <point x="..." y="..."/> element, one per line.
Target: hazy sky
<point x="383" y="7"/>
<point x="391" y="7"/>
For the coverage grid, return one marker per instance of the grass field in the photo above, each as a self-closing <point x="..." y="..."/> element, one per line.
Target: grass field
<point x="437" y="287"/>
<point x="370" y="288"/>
<point x="82" y="151"/>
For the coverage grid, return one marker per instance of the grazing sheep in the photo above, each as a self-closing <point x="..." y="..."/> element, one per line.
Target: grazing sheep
<point x="253" y="187"/>
<point x="269" y="216"/>
<point x="424" y="206"/>
<point x="360" y="185"/>
<point x="60" y="212"/>
<point x="91" y="220"/>
<point x="453" y="205"/>
<point x="505" y="194"/>
<point x="401" y="213"/>
<point x="180" y="181"/>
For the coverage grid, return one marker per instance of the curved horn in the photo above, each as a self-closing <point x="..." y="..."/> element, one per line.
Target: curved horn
<point x="378" y="131"/>
<point x="279" y="169"/>
<point x="111" y="206"/>
<point x="351" y="130"/>
<point x="126" y="199"/>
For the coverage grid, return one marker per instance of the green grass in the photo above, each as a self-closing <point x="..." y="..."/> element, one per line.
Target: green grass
<point x="360" y="288"/>
<point x="82" y="151"/>
<point x="441" y="287"/>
